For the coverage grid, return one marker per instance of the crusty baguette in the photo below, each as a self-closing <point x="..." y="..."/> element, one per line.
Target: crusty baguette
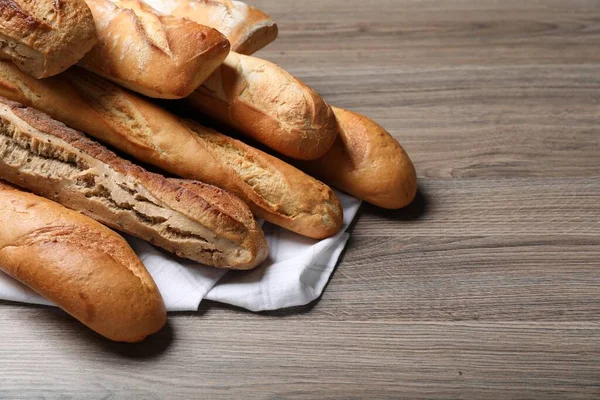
<point x="45" y="37"/>
<point x="247" y="28"/>
<point x="367" y="162"/>
<point x="153" y="54"/>
<point x="265" y="102"/>
<point x="275" y="191"/>
<point x="204" y="224"/>
<point x="84" y="268"/>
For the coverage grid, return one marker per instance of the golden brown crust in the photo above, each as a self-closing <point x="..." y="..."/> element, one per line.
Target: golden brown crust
<point x="84" y="268"/>
<point x="44" y="38"/>
<point x="65" y="166"/>
<point x="157" y="55"/>
<point x="275" y="191"/>
<point x="257" y="32"/>
<point x="268" y="104"/>
<point x="368" y="163"/>
<point x="247" y="28"/>
<point x="151" y="134"/>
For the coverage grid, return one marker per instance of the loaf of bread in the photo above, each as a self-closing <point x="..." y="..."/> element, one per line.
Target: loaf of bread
<point x="81" y="266"/>
<point x="45" y="37"/>
<point x="274" y="190"/>
<point x="192" y="220"/>
<point x="367" y="162"/>
<point x="247" y="28"/>
<point x="266" y="103"/>
<point x="157" y="55"/>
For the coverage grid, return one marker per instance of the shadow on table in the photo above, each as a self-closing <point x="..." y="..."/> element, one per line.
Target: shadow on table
<point x="417" y="210"/>
<point x="208" y="306"/>
<point x="150" y="348"/>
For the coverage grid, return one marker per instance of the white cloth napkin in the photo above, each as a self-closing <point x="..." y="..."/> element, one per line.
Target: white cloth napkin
<point x="295" y="274"/>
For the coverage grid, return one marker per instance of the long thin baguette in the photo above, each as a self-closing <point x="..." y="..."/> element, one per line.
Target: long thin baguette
<point x="204" y="224"/>
<point x="367" y="162"/>
<point x="247" y="28"/>
<point x="45" y="37"/>
<point x="273" y="190"/>
<point x="153" y="54"/>
<point x="265" y="102"/>
<point x="84" y="268"/>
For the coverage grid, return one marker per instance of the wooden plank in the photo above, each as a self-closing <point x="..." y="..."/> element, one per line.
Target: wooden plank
<point x="440" y="33"/>
<point x="491" y="278"/>
<point x="482" y="122"/>
<point x="500" y="207"/>
<point x="287" y="358"/>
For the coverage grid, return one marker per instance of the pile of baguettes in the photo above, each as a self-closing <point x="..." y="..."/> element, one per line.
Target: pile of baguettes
<point x="127" y="51"/>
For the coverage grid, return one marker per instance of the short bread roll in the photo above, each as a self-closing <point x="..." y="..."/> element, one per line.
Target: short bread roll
<point x="45" y="37"/>
<point x="150" y="53"/>
<point x="84" y="268"/>
<point x="247" y="28"/>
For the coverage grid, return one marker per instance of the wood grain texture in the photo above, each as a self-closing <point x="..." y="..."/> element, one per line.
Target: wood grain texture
<point x="488" y="286"/>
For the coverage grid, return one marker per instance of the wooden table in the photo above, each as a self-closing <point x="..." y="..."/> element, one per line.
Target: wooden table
<point x="487" y="287"/>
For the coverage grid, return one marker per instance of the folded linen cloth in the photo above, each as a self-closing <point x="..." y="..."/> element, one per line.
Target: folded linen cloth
<point x="295" y="273"/>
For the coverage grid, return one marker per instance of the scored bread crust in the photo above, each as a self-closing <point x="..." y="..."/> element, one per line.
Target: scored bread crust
<point x="247" y="28"/>
<point x="266" y="103"/>
<point x="285" y="196"/>
<point x="275" y="190"/>
<point x="153" y="54"/>
<point x="367" y="162"/>
<point x="81" y="266"/>
<point x="205" y="224"/>
<point x="45" y="37"/>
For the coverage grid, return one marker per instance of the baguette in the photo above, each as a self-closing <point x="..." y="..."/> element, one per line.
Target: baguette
<point x="247" y="28"/>
<point x="45" y="37"/>
<point x="84" y="268"/>
<point x="203" y="223"/>
<point x="263" y="101"/>
<point x="274" y="190"/>
<point x="157" y="55"/>
<point x="367" y="162"/>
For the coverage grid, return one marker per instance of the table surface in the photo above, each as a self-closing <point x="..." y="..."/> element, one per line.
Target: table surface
<point x="487" y="286"/>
